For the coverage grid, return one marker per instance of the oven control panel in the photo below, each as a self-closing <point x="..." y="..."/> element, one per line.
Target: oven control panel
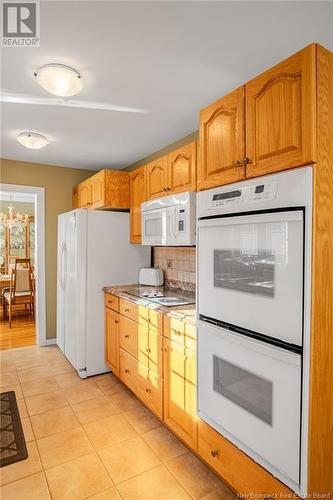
<point x="244" y="195"/>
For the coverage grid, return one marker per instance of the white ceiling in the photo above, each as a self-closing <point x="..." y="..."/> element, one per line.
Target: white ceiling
<point x="171" y="58"/>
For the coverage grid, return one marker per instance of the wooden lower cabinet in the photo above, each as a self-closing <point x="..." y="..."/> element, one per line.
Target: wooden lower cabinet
<point x="142" y="343"/>
<point x="111" y="301"/>
<point x="112" y="340"/>
<point x="243" y="474"/>
<point x="161" y="372"/>
<point x="147" y="385"/>
<point x="180" y="391"/>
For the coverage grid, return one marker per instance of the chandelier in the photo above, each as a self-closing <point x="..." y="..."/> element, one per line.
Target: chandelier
<point x="11" y="221"/>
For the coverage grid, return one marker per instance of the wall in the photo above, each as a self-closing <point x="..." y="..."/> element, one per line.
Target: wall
<point x="178" y="264"/>
<point x="18" y="206"/>
<point x="58" y="183"/>
<point x="161" y="152"/>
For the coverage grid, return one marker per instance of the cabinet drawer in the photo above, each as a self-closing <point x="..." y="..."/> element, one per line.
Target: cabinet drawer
<point x="143" y="382"/>
<point x="129" y="309"/>
<point x="128" y="335"/>
<point x="152" y="393"/>
<point x="141" y="314"/>
<point x="111" y="301"/>
<point x="128" y="370"/>
<point x="237" y="469"/>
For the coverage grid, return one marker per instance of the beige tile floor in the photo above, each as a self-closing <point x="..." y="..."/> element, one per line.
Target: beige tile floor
<point x="93" y="439"/>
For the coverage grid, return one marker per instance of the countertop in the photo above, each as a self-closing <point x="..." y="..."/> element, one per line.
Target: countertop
<point x="186" y="313"/>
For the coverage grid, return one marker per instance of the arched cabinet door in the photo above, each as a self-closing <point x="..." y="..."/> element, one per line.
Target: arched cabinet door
<point x="138" y="195"/>
<point x="157" y="178"/>
<point x="280" y="114"/>
<point x="222" y="142"/>
<point x="182" y="165"/>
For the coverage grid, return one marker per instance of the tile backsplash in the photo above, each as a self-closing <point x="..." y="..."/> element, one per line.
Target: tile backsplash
<point x="178" y="264"/>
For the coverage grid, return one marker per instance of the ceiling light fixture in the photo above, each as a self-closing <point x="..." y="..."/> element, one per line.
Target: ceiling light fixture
<point x="59" y="79"/>
<point x="32" y="140"/>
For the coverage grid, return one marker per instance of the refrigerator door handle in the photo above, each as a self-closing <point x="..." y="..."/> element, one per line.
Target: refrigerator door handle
<point x="65" y="266"/>
<point x="61" y="260"/>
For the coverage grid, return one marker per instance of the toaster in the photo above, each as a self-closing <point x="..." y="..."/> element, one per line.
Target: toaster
<point x="151" y="276"/>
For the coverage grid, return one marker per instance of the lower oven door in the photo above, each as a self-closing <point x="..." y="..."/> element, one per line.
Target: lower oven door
<point x="250" y="392"/>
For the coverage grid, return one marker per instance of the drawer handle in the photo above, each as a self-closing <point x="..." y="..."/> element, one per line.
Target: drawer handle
<point x="127" y="336"/>
<point x="127" y="310"/>
<point x="214" y="453"/>
<point x="127" y="371"/>
<point x="148" y="390"/>
<point x="147" y="349"/>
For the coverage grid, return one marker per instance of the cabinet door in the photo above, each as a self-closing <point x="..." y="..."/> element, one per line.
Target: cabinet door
<point x="157" y="178"/>
<point x="155" y="358"/>
<point x="137" y="196"/>
<point x="98" y="190"/>
<point x="221" y="144"/>
<point x="112" y="339"/>
<point x="75" y="198"/>
<point x="84" y="194"/>
<point x="280" y="110"/>
<point x="180" y="391"/>
<point x="182" y="168"/>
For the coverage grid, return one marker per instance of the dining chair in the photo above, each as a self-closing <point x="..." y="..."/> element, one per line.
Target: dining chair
<point x="21" y="291"/>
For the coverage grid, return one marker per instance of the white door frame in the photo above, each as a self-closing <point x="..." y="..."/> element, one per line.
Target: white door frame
<point x="38" y="193"/>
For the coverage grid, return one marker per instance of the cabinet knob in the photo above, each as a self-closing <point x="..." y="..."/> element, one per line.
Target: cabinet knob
<point x="127" y="336"/>
<point x="214" y="453"/>
<point x="127" y="310"/>
<point x="148" y="390"/>
<point x="127" y="371"/>
<point x="247" y="161"/>
<point x="116" y="321"/>
<point x="238" y="164"/>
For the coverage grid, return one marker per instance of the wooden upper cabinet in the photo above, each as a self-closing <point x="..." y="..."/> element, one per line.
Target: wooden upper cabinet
<point x="182" y="169"/>
<point x="137" y="195"/>
<point x="84" y="195"/>
<point x="98" y="190"/>
<point x="75" y="198"/>
<point x="280" y="115"/>
<point x="106" y="189"/>
<point x="222" y="142"/>
<point x="157" y="178"/>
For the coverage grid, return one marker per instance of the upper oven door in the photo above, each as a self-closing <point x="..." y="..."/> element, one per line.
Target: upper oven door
<point x="250" y="272"/>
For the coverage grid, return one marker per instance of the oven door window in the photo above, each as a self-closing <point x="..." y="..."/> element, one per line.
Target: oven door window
<point x="253" y="393"/>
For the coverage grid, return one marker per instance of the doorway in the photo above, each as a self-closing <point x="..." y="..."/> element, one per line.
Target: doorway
<point x="22" y="260"/>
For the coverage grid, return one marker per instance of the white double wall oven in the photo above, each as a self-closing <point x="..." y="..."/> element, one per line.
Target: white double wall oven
<point x="254" y="245"/>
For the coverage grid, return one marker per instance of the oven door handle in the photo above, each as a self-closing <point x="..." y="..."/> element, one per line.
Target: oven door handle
<point x="292" y="216"/>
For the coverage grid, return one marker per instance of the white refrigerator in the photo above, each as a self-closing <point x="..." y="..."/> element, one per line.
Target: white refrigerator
<point x="93" y="252"/>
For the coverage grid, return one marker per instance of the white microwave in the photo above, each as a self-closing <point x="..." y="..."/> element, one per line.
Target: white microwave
<point x="169" y="221"/>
